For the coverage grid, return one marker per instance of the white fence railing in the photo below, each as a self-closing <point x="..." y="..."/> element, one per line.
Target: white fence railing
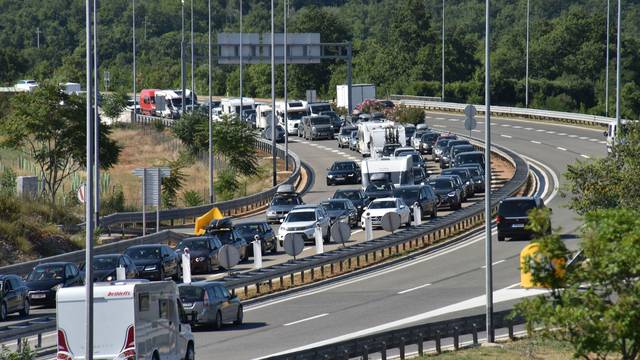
<point x="426" y="103"/>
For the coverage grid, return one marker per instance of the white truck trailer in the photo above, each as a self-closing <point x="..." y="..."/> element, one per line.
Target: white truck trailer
<point x="359" y="93"/>
<point x="399" y="170"/>
<point x="296" y="109"/>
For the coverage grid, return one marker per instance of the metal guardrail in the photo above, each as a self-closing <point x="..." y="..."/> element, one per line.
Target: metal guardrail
<point x="575" y="118"/>
<point x="428" y="233"/>
<point x="401" y="338"/>
<point x="19" y="331"/>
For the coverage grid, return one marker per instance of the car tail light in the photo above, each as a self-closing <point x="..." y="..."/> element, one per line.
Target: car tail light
<point x="499" y="219"/>
<point x="63" y="347"/>
<point x="128" y="351"/>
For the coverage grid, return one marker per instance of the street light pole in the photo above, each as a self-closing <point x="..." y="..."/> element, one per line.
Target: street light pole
<point x="212" y="197"/>
<point x="273" y="98"/>
<point x="88" y="191"/>
<point x="606" y="70"/>
<point x="526" y="78"/>
<point x="241" y="87"/>
<point x="487" y="172"/>
<point x="96" y="121"/>
<point x="133" y="23"/>
<point x="442" y="50"/>
<point x="193" y="62"/>
<point x="618" y="50"/>
<point x="183" y="69"/>
<point x="286" y="95"/>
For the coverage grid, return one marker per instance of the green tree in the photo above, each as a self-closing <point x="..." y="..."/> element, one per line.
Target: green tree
<point x="409" y="115"/>
<point x="235" y="141"/>
<point x="188" y="130"/>
<point x="114" y="103"/>
<point x="595" y="306"/>
<point x="49" y="126"/>
<point x="172" y="184"/>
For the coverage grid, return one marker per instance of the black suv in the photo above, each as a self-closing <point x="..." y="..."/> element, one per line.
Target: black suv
<point x="343" y="172"/>
<point x="229" y="235"/>
<point x="46" y="279"/>
<point x="156" y="262"/>
<point x="513" y="217"/>
<point x="203" y="252"/>
<point x="423" y="195"/>
<point x="14" y="297"/>
<point x="263" y="231"/>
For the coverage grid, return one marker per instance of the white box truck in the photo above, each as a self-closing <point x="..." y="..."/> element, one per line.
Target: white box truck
<point x="359" y="93"/>
<point x="132" y="320"/>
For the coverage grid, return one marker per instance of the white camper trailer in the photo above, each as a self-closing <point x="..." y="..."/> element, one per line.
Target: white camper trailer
<point x="296" y="109"/>
<point x="132" y="320"/>
<point x="398" y="170"/>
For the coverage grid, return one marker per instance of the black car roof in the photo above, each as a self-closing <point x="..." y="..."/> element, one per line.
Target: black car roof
<point x="251" y="223"/>
<point x="409" y="187"/>
<point x="56" y="263"/>
<point x="145" y="246"/>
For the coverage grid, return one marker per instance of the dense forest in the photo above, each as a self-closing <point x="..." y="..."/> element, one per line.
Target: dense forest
<point x="397" y="46"/>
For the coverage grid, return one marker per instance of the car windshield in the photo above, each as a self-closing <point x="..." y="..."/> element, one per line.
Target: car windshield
<point x="441" y="184"/>
<point x="429" y="137"/>
<point x="301" y="216"/>
<point x="516" y="208"/>
<point x="345" y="166"/>
<point x="461" y="149"/>
<point x="351" y="195"/>
<point x="379" y="187"/>
<point x="404" y="153"/>
<point x="144" y="253"/>
<point x="474" y="171"/>
<point x="286" y="200"/>
<point x="318" y="108"/>
<point x="296" y="115"/>
<point x="105" y="262"/>
<point x="386" y="204"/>
<point x="191" y="293"/>
<point x="193" y="244"/>
<point x="248" y="229"/>
<point x="320" y="121"/>
<point x="411" y="194"/>
<point x="225" y="235"/>
<point x="334" y="205"/>
<point x="442" y="143"/>
<point x="470" y="158"/>
<point x="52" y="272"/>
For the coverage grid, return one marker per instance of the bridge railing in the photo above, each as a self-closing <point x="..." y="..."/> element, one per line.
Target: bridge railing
<point x="428" y="103"/>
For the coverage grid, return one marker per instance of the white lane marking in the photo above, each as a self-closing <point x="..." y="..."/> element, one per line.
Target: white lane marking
<point x="440" y="126"/>
<point x="307" y="319"/>
<point x="440" y="118"/>
<point x="506" y="136"/>
<point x="528" y="129"/>
<point x="341" y="153"/>
<point x="575" y="136"/>
<point x="480" y="122"/>
<point x="413" y="288"/>
<point x="499" y="296"/>
<point x="556" y="181"/>
<point x="536" y="142"/>
<point x="427" y="117"/>
<point x="561" y="148"/>
<point x="585" y="156"/>
<point x="454" y="120"/>
<point x="494" y="264"/>
<point x="602" y="142"/>
<point x="307" y="248"/>
<point x="594" y="140"/>
<point x="583" y="137"/>
<point x="540" y="130"/>
<point x="561" y="134"/>
<point x="550" y="132"/>
<point x="335" y="151"/>
<point x="475" y="130"/>
<point x="505" y="125"/>
<point x="356" y="231"/>
<point x="517" y="127"/>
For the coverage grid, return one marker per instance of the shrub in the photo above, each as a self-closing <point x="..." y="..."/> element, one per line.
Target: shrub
<point x="226" y="185"/>
<point x="192" y="198"/>
<point x="114" y="202"/>
<point x="8" y="181"/>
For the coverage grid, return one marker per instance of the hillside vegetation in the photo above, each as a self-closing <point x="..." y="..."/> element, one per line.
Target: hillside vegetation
<point x="396" y="46"/>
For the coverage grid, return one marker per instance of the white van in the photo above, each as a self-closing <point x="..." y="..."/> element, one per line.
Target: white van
<point x="132" y="320"/>
<point x="612" y="132"/>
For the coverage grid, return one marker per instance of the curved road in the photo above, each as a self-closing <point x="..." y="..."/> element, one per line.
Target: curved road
<point x="430" y="287"/>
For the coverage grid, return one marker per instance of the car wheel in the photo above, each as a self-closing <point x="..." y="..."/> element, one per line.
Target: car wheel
<point x="3" y="312"/>
<point x="274" y="249"/>
<point x="328" y="183"/>
<point x="500" y="237"/>
<point x="217" y="325"/>
<point x="239" y="316"/>
<point x="209" y="267"/>
<point x="176" y="276"/>
<point x="26" y="308"/>
<point x="190" y="355"/>
<point x="155" y="356"/>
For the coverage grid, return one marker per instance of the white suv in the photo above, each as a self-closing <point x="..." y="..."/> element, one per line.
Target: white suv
<point x="303" y="219"/>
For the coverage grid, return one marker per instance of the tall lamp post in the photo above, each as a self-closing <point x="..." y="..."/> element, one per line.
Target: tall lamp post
<point x="96" y="121"/>
<point x="183" y="71"/>
<point x="241" y="77"/>
<point x="606" y="70"/>
<point x="618" y="50"/>
<point x="212" y="197"/>
<point x="133" y="24"/>
<point x="526" y="77"/>
<point x="442" y="50"/>
<point x="286" y="95"/>
<point x="487" y="172"/>
<point x="193" y="62"/>
<point x="273" y="98"/>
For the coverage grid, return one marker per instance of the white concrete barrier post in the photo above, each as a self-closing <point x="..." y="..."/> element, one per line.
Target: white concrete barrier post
<point x="319" y="240"/>
<point x="368" y="228"/>
<point x="257" y="253"/>
<point x="120" y="273"/>
<point x="186" y="266"/>
<point x="417" y="215"/>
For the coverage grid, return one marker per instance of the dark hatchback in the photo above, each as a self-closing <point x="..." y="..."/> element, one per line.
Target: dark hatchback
<point x="155" y="262"/>
<point x="377" y="191"/>
<point x="357" y="198"/>
<point x="263" y="231"/>
<point x="229" y="235"/>
<point x="447" y="191"/>
<point x="423" y="195"/>
<point x="445" y="157"/>
<point x="210" y="303"/>
<point x="341" y="210"/>
<point x="46" y="279"/>
<point x="343" y="172"/>
<point x="465" y="176"/>
<point x="513" y="217"/>
<point x="104" y="267"/>
<point x="203" y="252"/>
<point x="427" y="142"/>
<point x="14" y="297"/>
<point x="477" y="174"/>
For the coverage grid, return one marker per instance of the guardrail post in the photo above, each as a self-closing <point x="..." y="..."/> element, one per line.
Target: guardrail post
<point x="438" y="344"/>
<point x="365" y="352"/>
<point x="475" y="334"/>
<point x="302" y="276"/>
<point x="383" y="352"/>
<point x="402" y="352"/>
<point x="456" y="338"/>
<point x="39" y="344"/>
<point x="420" y="344"/>
<point x="511" y="331"/>
<point x="292" y="280"/>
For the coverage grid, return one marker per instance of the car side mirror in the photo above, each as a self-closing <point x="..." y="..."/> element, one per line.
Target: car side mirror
<point x="605" y="134"/>
<point x="281" y="221"/>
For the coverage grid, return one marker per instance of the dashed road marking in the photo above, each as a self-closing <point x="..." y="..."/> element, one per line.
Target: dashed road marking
<point x="561" y="148"/>
<point x="585" y="156"/>
<point x="550" y="132"/>
<point x="307" y="319"/>
<point x="506" y="136"/>
<point x="575" y="136"/>
<point x="561" y="134"/>
<point x="505" y="125"/>
<point x="494" y="264"/>
<point x="536" y="142"/>
<point x="413" y="288"/>
<point x="517" y="127"/>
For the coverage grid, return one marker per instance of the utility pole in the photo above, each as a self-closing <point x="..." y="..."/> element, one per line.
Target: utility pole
<point x="193" y="63"/>
<point x="38" y="37"/>
<point x="442" y="50"/>
<point x="212" y="197"/>
<point x="606" y="70"/>
<point x="487" y="172"/>
<point x="88" y="191"/>
<point x="241" y="77"/>
<point x="133" y="22"/>
<point x="273" y="98"/>
<point x="526" y="77"/>
<point x="618" y="50"/>
<point x="286" y="95"/>
<point x="96" y="120"/>
<point x="183" y="69"/>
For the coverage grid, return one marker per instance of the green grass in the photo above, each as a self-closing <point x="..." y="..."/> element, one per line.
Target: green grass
<point x="535" y="348"/>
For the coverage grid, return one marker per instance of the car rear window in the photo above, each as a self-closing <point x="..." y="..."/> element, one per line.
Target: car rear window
<point x="516" y="208"/>
<point x="191" y="293"/>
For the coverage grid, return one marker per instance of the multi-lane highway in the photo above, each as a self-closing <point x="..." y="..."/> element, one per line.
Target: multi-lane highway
<point x="433" y="286"/>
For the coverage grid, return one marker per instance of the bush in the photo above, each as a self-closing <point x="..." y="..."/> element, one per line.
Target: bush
<point x="25" y="354"/>
<point x="114" y="202"/>
<point x="159" y="126"/>
<point x="408" y="115"/>
<point x="192" y="198"/>
<point x="8" y="182"/>
<point x="226" y="185"/>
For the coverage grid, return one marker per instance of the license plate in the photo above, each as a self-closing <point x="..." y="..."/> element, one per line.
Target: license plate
<point x="517" y="225"/>
<point x="187" y="304"/>
<point x="339" y="178"/>
<point x="38" y="296"/>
